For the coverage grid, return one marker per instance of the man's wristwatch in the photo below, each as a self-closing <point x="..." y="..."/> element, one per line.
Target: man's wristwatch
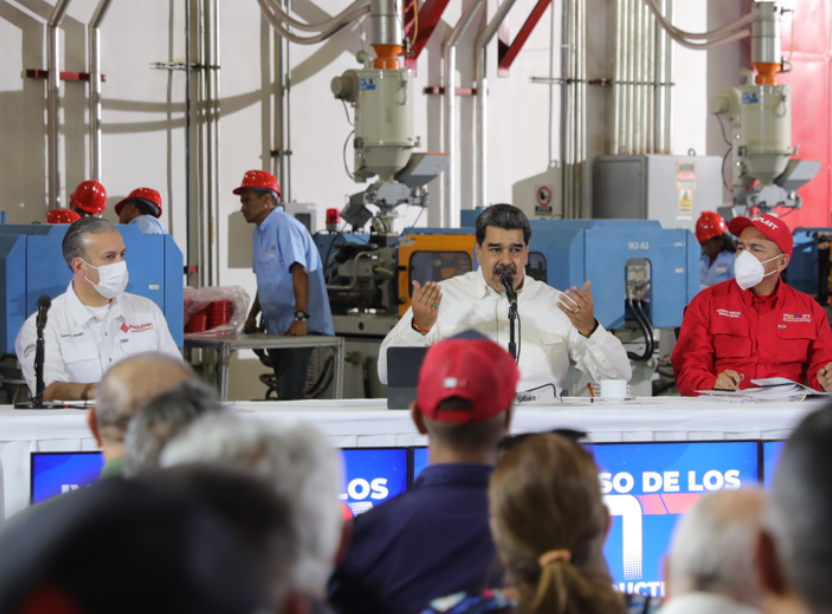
<point x="301" y="315"/>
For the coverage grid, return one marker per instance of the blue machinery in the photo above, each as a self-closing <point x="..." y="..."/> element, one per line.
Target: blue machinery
<point x="662" y="265"/>
<point x="32" y="264"/>
<point x="637" y="268"/>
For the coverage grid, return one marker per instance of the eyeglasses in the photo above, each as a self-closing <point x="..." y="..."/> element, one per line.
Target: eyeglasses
<point x="507" y="443"/>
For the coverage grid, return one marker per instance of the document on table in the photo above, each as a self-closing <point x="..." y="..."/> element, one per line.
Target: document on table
<point x="767" y="390"/>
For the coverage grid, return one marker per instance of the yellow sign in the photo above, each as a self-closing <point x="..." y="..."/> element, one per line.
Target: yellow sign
<point x="685" y="202"/>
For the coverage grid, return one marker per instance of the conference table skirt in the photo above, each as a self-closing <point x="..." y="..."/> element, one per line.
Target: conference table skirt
<point x="351" y="423"/>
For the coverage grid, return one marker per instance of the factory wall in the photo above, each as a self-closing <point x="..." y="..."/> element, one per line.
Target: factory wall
<point x="144" y="119"/>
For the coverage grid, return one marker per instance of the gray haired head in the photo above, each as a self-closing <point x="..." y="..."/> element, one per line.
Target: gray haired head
<point x="73" y="245"/>
<point x="300" y="463"/>
<point x="130" y="385"/>
<point x="162" y="419"/>
<point x="713" y="549"/>
<point x="507" y="217"/>
<point x="801" y="505"/>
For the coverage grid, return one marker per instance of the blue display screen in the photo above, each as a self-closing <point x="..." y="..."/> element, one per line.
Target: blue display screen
<point x="373" y="475"/>
<point x="420" y="461"/>
<point x="771" y="454"/>
<point x="56" y="473"/>
<point x="647" y="487"/>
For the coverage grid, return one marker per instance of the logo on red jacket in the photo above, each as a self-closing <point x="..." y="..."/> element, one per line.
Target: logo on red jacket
<point x="728" y="314"/>
<point x="797" y="317"/>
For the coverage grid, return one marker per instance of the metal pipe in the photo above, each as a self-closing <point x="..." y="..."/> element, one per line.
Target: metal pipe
<point x="189" y="221"/>
<point x="203" y="207"/>
<point x="566" y="110"/>
<point x="450" y="210"/>
<point x="288" y="112"/>
<point x="482" y="108"/>
<point x="582" y="152"/>
<point x="638" y="22"/>
<point x="661" y="90"/>
<point x="213" y="117"/>
<point x="669" y="78"/>
<point x="630" y="127"/>
<point x="280" y="128"/>
<point x="616" y="84"/>
<point x="650" y="74"/>
<point x="94" y="41"/>
<point x="643" y="76"/>
<point x="53" y="101"/>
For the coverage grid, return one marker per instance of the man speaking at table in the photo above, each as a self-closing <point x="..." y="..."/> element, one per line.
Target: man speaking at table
<point x="754" y="326"/>
<point x="556" y="328"/>
<point x="94" y="324"/>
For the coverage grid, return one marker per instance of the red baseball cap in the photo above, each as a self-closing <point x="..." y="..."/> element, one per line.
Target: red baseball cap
<point x="479" y="371"/>
<point x="772" y="227"/>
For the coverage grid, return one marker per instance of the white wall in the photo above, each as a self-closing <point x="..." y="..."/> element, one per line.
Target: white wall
<point x="143" y="114"/>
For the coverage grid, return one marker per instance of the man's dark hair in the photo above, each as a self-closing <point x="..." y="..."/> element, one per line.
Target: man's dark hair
<point x="507" y="217"/>
<point x="475" y="436"/>
<point x="143" y="207"/>
<point x="73" y="245"/>
<point x="800" y="509"/>
<point x="272" y="194"/>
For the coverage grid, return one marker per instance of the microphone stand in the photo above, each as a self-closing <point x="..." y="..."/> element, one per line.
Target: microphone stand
<point x="512" y="318"/>
<point x="37" y="400"/>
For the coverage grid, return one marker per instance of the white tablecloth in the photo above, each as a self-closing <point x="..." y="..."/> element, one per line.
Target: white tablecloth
<point x="367" y="423"/>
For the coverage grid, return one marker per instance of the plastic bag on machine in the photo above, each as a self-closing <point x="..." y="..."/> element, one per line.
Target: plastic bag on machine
<point x="215" y="310"/>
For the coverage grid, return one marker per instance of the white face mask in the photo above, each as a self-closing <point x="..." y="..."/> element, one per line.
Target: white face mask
<point x="748" y="271"/>
<point x="112" y="278"/>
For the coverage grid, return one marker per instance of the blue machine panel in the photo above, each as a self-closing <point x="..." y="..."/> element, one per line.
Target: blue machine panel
<point x="771" y="454"/>
<point x="420" y="461"/>
<point x="33" y="265"/>
<point x="598" y="250"/>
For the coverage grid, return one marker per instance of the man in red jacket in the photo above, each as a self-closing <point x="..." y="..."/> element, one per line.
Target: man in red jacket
<point x="754" y="326"/>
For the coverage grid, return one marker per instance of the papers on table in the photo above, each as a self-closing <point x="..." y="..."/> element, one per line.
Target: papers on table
<point x="768" y="390"/>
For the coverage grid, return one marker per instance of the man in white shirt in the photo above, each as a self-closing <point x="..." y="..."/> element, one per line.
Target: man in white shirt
<point x="94" y="324"/>
<point x="556" y="328"/>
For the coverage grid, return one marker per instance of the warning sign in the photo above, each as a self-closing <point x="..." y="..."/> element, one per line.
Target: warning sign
<point x="544" y="201"/>
<point x="686" y="175"/>
<point x="685" y="202"/>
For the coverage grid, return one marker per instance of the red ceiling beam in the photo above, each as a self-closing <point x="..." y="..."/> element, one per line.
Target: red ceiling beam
<point x="429" y="17"/>
<point x="507" y="55"/>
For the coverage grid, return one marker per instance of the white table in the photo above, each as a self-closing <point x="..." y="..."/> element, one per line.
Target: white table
<point x="367" y="423"/>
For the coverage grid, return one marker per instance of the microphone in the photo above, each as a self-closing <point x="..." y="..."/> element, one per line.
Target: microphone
<point x="507" y="279"/>
<point x="44" y="303"/>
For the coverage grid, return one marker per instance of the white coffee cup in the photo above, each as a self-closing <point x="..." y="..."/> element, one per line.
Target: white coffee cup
<point x="614" y="389"/>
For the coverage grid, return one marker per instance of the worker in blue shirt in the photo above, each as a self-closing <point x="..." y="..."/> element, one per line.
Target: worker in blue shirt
<point x="434" y="540"/>
<point x="291" y="290"/>
<point x="718" y="249"/>
<point x="142" y="208"/>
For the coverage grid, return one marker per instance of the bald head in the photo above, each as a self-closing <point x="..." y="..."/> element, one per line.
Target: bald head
<point x="130" y="385"/>
<point x="714" y="544"/>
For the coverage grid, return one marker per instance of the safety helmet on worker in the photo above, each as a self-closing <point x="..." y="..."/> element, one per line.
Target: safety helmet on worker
<point x="90" y="196"/>
<point x="709" y="225"/>
<point x="62" y="216"/>
<point x="259" y="180"/>
<point x="148" y="196"/>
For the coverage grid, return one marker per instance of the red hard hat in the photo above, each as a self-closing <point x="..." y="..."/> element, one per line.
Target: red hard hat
<point x="259" y="179"/>
<point x="62" y="216"/>
<point x="147" y="195"/>
<point x="709" y="225"/>
<point x="90" y="196"/>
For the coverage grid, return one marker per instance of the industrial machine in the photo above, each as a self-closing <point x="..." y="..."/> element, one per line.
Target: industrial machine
<point x="671" y="189"/>
<point x="32" y="264"/>
<point x="766" y="172"/>
<point x="382" y="94"/>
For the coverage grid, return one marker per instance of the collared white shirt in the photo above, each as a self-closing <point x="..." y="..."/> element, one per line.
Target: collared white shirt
<point x="548" y="343"/>
<point x="81" y="346"/>
<point x="149" y="225"/>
